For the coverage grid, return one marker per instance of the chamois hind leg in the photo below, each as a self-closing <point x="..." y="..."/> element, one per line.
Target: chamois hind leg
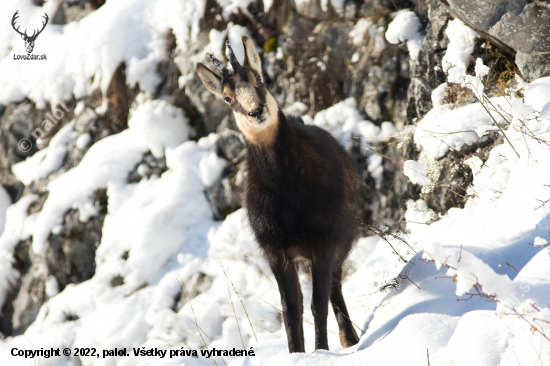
<point x="291" y="301"/>
<point x="348" y="335"/>
<point x="321" y="269"/>
<point x="301" y="305"/>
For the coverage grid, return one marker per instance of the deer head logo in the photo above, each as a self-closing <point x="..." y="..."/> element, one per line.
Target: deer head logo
<point x="29" y="40"/>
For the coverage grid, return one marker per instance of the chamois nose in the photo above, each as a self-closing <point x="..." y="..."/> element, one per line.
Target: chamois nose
<point x="256" y="112"/>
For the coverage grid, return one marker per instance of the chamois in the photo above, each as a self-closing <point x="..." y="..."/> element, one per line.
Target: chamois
<point x="301" y="197"/>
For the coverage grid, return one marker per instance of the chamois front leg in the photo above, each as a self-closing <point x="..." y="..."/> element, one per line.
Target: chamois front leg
<point x="321" y="273"/>
<point x="291" y="300"/>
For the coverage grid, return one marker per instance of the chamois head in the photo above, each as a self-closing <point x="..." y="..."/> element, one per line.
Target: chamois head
<point x="243" y="90"/>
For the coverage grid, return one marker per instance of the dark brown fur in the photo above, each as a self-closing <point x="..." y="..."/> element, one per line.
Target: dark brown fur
<point x="301" y="202"/>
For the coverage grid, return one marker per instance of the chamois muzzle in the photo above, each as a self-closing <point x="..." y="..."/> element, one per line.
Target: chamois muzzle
<point x="256" y="112"/>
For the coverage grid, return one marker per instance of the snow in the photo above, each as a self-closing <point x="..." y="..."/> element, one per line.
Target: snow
<point x="267" y="5"/>
<point x="538" y="96"/>
<point x="236" y="6"/>
<point x="162" y="203"/>
<point x="83" y="141"/>
<point x="235" y="34"/>
<point x="48" y="160"/>
<point x="458" y="75"/>
<point x="15" y="229"/>
<point x="358" y="31"/>
<point x="211" y="168"/>
<point x="5" y="201"/>
<point x="161" y="124"/>
<point x="143" y="170"/>
<point x="154" y="125"/>
<point x="443" y="128"/>
<point x="503" y="216"/>
<point x="418" y="214"/>
<point x="405" y="27"/>
<point x="486" y="346"/>
<point x="416" y="172"/>
<point x="438" y="95"/>
<point x="92" y="48"/>
<point x="345" y="122"/>
<point x="51" y="287"/>
<point x="540" y="242"/>
<point x="376" y="168"/>
<point x="159" y="236"/>
<point x="82" y="51"/>
<point x="461" y="45"/>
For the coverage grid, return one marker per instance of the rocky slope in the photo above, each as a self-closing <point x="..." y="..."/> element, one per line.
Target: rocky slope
<point x="316" y="54"/>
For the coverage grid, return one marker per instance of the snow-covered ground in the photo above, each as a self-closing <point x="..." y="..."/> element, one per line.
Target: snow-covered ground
<point x="459" y="301"/>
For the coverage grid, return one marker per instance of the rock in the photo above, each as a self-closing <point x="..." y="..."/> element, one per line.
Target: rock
<point x="451" y="177"/>
<point x="315" y="63"/>
<point x="24" y="301"/>
<point x="196" y="285"/>
<point x="512" y="25"/>
<point x="384" y="203"/>
<point x="148" y="167"/>
<point x="18" y="122"/>
<point x="70" y="254"/>
<point x="313" y="10"/>
<point x="232" y="145"/>
<point x="533" y="66"/>
<point x="60" y="16"/>
<point x="226" y="195"/>
<point x="380" y="78"/>
<point x="69" y="258"/>
<point x="119" y="99"/>
<point x="426" y="73"/>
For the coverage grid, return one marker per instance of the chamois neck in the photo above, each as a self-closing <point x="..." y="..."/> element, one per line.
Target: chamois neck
<point x="281" y="150"/>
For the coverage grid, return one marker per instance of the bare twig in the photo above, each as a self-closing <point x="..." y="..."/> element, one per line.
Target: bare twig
<point x="428" y="354"/>
<point x="495" y="121"/>
<point x="203" y="332"/>
<point x="509" y="265"/>
<point x="240" y="299"/>
<point x="259" y="269"/>
<point x="234" y="313"/>
<point x="194" y="316"/>
<point x="377" y="232"/>
<point x="407" y="277"/>
<point x="452" y="148"/>
<point x="347" y="317"/>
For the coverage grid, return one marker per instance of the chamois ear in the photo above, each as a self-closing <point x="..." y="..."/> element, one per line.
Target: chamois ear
<point x="210" y="80"/>
<point x="251" y="59"/>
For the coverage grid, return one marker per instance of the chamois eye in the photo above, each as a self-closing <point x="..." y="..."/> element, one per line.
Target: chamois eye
<point x="259" y="80"/>
<point x="227" y="99"/>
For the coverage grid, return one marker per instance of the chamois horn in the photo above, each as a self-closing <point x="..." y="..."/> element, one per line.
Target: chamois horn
<point x="221" y="68"/>
<point x="232" y="59"/>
